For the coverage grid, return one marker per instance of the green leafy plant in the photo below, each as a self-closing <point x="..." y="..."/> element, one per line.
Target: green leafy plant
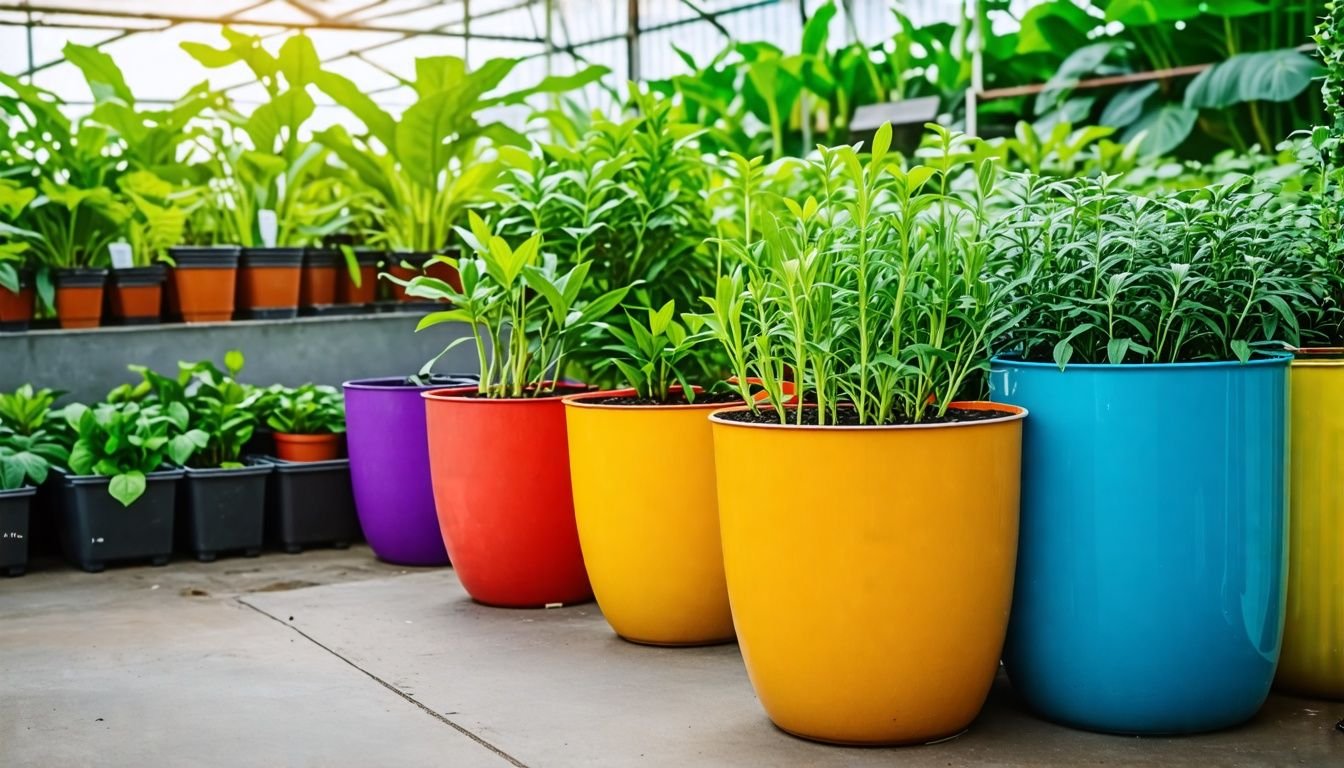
<point x="15" y="242"/>
<point x="524" y="312"/>
<point x="26" y="409"/>
<point x="1109" y="276"/>
<point x="25" y="459"/>
<point x="158" y="215"/>
<point x="875" y="297"/>
<point x="310" y="409"/>
<point x="126" y="441"/>
<point x="650" y="356"/>
<point x="1330" y="41"/>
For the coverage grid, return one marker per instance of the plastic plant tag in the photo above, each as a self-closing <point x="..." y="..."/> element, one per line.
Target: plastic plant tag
<point x="121" y="255"/>
<point x="267" y="224"/>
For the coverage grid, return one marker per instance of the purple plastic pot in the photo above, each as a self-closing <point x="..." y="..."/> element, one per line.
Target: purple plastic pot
<point x="389" y="469"/>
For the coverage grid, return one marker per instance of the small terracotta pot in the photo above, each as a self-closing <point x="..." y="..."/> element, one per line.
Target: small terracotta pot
<point x="367" y="290"/>
<point x="79" y="297"/>
<point x="204" y="282"/>
<point x="318" y="286"/>
<point x="268" y="282"/>
<point x="134" y="295"/>
<point x="423" y="266"/>
<point x="324" y="447"/>
<point x="16" y="309"/>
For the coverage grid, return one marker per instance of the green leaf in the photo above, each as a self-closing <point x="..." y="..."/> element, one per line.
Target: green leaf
<point x="1127" y="106"/>
<point x="1163" y="129"/>
<point x="1280" y="75"/>
<point x="127" y="487"/>
<point x="298" y="61"/>
<point x="101" y="72"/>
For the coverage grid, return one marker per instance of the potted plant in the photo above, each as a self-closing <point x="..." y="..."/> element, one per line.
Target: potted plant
<point x="389" y="465"/>
<point x="221" y="499"/>
<point x="641" y="460"/>
<point x="505" y="506"/>
<point x="875" y="303"/>
<point x="1312" y="660"/>
<point x="277" y="187"/>
<point x="25" y="459"/>
<point x="157" y="221"/>
<point x="1154" y="486"/>
<point x="308" y="421"/>
<point x="17" y="291"/>
<point x="75" y="226"/>
<point x="117" y="499"/>
<point x="424" y="169"/>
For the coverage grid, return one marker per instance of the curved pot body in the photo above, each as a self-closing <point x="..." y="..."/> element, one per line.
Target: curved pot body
<point x="16" y="309"/>
<point x="389" y="469"/>
<point x="1312" y="662"/>
<point x="203" y="283"/>
<point x="870" y="570"/>
<point x="79" y="297"/>
<point x="268" y="282"/>
<point x="318" y="284"/>
<point x="323" y="447"/>
<point x="648" y="518"/>
<point x="502" y="491"/>
<point x="1152" y="567"/>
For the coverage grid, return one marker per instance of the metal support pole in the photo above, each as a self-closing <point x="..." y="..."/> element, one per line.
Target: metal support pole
<point x="632" y="40"/>
<point x="466" y="31"/>
<point x="976" y="42"/>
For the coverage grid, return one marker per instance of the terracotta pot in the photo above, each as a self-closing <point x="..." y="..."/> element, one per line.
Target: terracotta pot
<point x="135" y="295"/>
<point x="423" y="265"/>
<point x="79" y="297"/>
<point x="268" y="282"/>
<point x="505" y="505"/>
<point x="16" y="309"/>
<point x="324" y="447"/>
<point x="367" y="290"/>
<point x="204" y="282"/>
<point x="318" y="286"/>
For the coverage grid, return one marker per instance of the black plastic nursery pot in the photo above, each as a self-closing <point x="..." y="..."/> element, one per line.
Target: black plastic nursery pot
<point x="310" y="504"/>
<point x="14" y="506"/>
<point x="222" y="511"/>
<point x="97" y="530"/>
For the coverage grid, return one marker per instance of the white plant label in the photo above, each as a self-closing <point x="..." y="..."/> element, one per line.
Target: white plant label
<point x="267" y="224"/>
<point x="121" y="255"/>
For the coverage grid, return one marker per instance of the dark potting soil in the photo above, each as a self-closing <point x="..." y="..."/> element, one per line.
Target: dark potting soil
<point x="705" y="398"/>
<point x="850" y="418"/>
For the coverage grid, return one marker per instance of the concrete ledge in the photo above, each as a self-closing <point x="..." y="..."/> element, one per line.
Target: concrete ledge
<point x="326" y="350"/>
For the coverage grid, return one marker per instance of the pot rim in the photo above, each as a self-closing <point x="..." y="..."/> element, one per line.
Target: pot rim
<point x="457" y="395"/>
<point x="1016" y="413"/>
<point x="1318" y="357"/>
<point x="301" y="437"/>
<point x="389" y="384"/>
<point x="1263" y="358"/>
<point x="580" y="401"/>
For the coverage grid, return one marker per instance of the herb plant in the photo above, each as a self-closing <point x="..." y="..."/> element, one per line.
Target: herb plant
<point x="875" y="297"/>
<point x="126" y="441"/>
<point x="524" y="312"/>
<point x="650" y="356"/>
<point x="1108" y="276"/>
<point x="310" y="409"/>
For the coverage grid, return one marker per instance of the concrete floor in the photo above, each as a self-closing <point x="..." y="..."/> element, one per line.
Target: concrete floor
<point x="333" y="659"/>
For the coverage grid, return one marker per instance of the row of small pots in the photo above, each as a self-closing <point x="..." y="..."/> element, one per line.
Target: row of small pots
<point x="216" y="284"/>
<point x="298" y="498"/>
<point x="868" y="574"/>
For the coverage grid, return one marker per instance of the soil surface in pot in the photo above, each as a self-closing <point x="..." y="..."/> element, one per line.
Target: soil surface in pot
<point x="850" y="418"/>
<point x="712" y="398"/>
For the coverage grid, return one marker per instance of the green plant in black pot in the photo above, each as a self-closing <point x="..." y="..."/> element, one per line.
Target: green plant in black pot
<point x="308" y="421"/>
<point x="25" y="459"/>
<point x="127" y="441"/>
<point x="25" y="409"/>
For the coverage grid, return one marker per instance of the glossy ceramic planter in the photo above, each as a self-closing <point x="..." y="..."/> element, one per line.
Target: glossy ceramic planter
<point x="268" y="282"/>
<point x="648" y="519"/>
<point x="1152" y="567"/>
<point x="870" y="571"/>
<point x="500" y="471"/>
<point x="389" y="469"/>
<point x="79" y="297"/>
<point x="135" y="295"/>
<point x="300" y="448"/>
<point x="1312" y="662"/>
<point x="202" y="287"/>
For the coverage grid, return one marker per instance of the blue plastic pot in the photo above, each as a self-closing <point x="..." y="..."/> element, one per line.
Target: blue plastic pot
<point x="1152" y="561"/>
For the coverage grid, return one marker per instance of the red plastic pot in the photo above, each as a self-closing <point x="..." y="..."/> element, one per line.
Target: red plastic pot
<point x="268" y="282"/>
<point x="318" y="287"/>
<point x="79" y="297"/>
<point x="323" y="447"/>
<point x="134" y="294"/>
<point x="500" y="470"/>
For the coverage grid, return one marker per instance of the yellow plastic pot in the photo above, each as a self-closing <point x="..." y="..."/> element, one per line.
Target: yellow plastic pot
<point x="870" y="570"/>
<point x="643" y="480"/>
<point x="1312" y="661"/>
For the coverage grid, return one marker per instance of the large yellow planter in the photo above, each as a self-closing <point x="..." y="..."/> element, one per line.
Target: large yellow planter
<point x="870" y="570"/>
<point x="643" y="480"/>
<point x="1312" y="661"/>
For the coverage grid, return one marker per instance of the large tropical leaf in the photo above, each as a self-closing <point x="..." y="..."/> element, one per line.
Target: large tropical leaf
<point x="381" y="125"/>
<point x="298" y="61"/>
<point x="1127" y="106"/>
<point x="1163" y="129"/>
<point x="1261" y="76"/>
<point x="101" y="72"/>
